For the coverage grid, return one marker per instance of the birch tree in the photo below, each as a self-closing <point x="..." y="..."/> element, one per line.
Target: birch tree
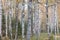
<point x="24" y="6"/>
<point x="56" y="16"/>
<point x="29" y="19"/>
<point x="36" y="20"/>
<point x="55" y="20"/>
<point x="16" y="11"/>
<point x="6" y="14"/>
<point x="47" y="19"/>
<point x="22" y="18"/>
<point x="10" y="18"/>
<point x="52" y="18"/>
<point x="0" y="18"/>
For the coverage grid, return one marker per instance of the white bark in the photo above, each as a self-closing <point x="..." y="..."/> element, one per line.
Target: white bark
<point x="16" y="36"/>
<point x="6" y="25"/>
<point x="29" y="20"/>
<point x="0" y="16"/>
<point x="37" y="21"/>
<point x="22" y="19"/>
<point x="47" y="19"/>
<point x="52" y="19"/>
<point x="55" y="21"/>
<point x="6" y="14"/>
<point x="10" y="27"/>
<point x="57" y="18"/>
<point x="10" y="18"/>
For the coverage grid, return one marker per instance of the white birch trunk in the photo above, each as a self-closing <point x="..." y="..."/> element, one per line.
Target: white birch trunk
<point x="37" y="21"/>
<point x="22" y="19"/>
<point x="6" y="14"/>
<point x="24" y="5"/>
<point x="52" y="18"/>
<point x="0" y="17"/>
<point x="47" y="19"/>
<point x="10" y="17"/>
<point x="55" y="21"/>
<point x="16" y="35"/>
<point x="6" y="24"/>
<point x="10" y="25"/>
<point x="29" y="20"/>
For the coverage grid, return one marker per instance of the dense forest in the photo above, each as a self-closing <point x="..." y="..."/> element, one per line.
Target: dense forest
<point x="29" y="19"/>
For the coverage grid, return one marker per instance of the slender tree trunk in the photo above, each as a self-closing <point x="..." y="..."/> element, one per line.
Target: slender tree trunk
<point x="37" y="20"/>
<point x="47" y="19"/>
<point x="16" y="35"/>
<point x="10" y="18"/>
<point x="22" y="18"/>
<point x="0" y="18"/>
<point x="10" y="27"/>
<point x="6" y="25"/>
<point x="32" y="24"/>
<point x="52" y="18"/>
<point x="55" y="20"/>
<point x="29" y="19"/>
<point x="6" y="15"/>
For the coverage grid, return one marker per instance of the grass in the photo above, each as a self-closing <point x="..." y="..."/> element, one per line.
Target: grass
<point x="43" y="36"/>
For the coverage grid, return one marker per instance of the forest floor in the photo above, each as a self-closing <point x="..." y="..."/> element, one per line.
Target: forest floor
<point x="44" y="36"/>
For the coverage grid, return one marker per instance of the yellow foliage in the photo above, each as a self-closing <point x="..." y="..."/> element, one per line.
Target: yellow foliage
<point x="18" y="1"/>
